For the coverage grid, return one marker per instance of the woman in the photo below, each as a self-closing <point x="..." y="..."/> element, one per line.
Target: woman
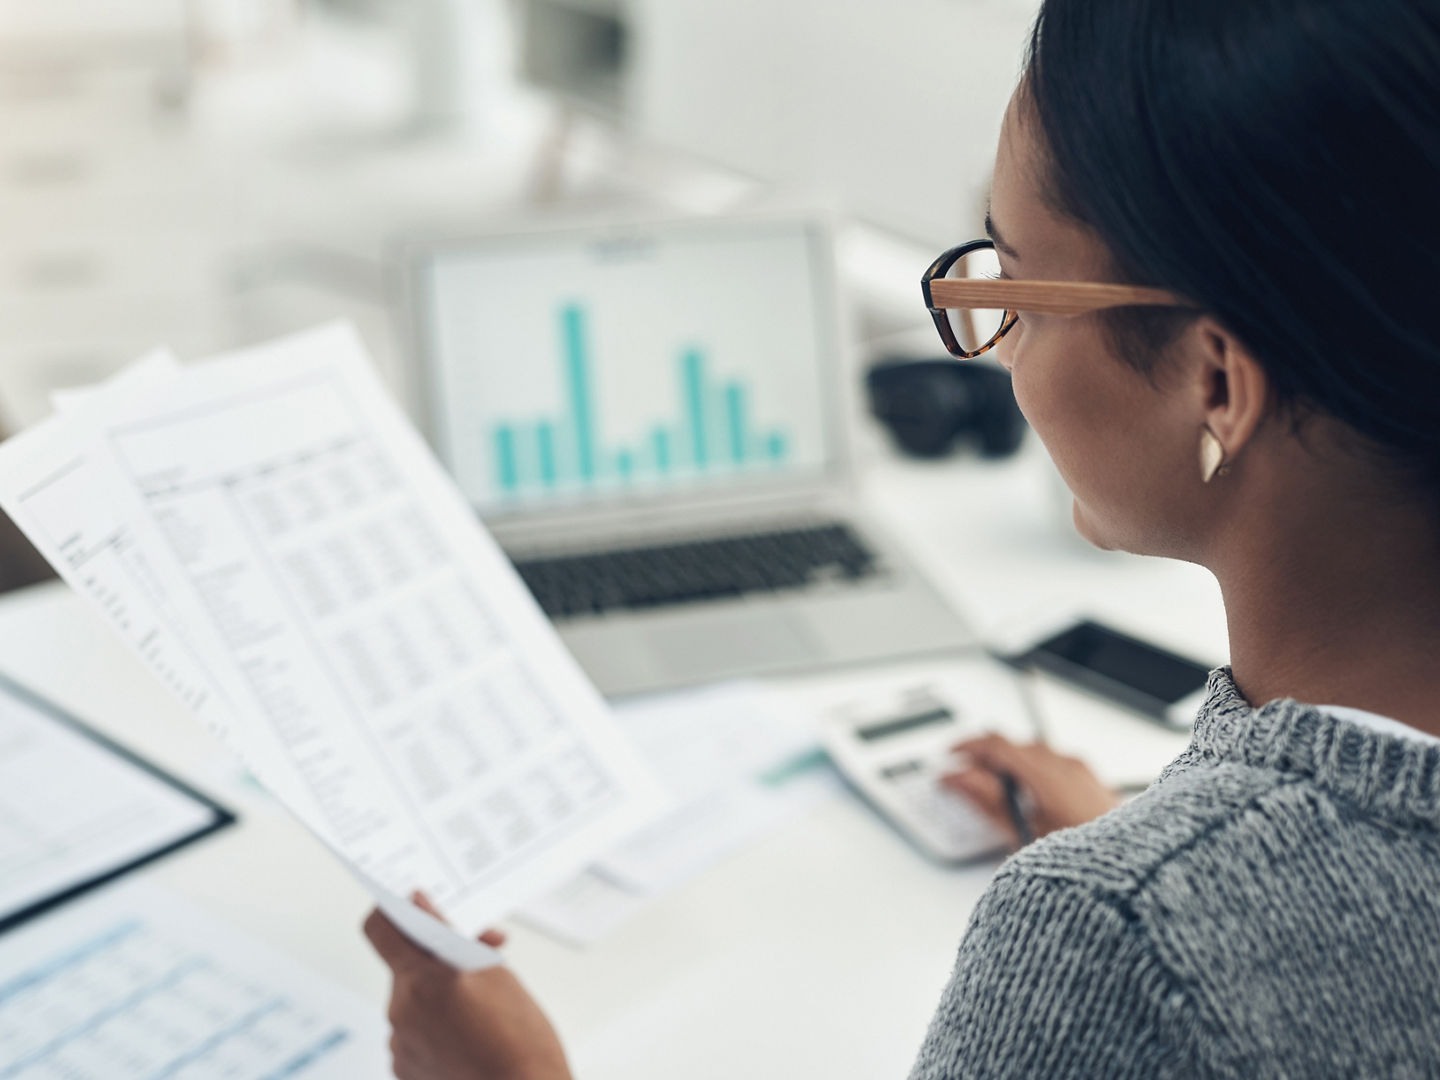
<point x="1261" y="396"/>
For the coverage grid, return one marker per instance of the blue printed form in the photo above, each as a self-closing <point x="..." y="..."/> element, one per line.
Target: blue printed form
<point x="135" y="984"/>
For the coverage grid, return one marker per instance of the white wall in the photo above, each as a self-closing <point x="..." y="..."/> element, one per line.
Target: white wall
<point x="72" y="18"/>
<point x="891" y="107"/>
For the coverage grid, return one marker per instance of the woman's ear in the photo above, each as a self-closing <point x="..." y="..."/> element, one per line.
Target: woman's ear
<point x="1233" y="389"/>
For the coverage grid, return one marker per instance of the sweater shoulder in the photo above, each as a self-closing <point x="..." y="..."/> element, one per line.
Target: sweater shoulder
<point x="1210" y="914"/>
<point x="1119" y="853"/>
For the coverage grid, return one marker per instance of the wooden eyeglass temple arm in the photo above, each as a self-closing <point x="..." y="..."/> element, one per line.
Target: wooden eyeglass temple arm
<point x="1044" y="297"/>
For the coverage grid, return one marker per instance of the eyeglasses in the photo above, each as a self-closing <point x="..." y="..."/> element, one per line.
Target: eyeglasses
<point x="973" y="307"/>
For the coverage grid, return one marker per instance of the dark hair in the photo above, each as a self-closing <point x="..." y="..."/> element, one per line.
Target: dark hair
<point x="1278" y="162"/>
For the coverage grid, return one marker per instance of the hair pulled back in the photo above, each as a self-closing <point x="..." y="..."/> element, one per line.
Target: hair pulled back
<point x="1278" y="162"/>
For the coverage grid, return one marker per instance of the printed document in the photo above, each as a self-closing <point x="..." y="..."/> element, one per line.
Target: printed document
<point x="74" y="810"/>
<point x="135" y="984"/>
<point x="273" y="538"/>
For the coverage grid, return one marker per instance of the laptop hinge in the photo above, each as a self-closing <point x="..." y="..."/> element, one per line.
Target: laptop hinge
<point x="594" y="528"/>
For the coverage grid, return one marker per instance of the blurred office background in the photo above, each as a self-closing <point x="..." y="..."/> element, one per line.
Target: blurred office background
<point x="207" y="173"/>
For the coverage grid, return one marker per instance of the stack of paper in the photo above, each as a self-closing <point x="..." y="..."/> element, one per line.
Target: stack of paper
<point x="274" y="540"/>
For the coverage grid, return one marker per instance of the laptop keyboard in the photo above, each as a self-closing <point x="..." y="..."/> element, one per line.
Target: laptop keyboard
<point x="660" y="574"/>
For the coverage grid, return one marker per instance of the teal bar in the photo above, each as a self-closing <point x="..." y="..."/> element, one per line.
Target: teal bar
<point x="624" y="465"/>
<point x="660" y="441"/>
<point x="505" y="462"/>
<point x="735" y="421"/>
<point x="775" y="446"/>
<point x="545" y="441"/>
<point x="694" y="382"/>
<point x="577" y="369"/>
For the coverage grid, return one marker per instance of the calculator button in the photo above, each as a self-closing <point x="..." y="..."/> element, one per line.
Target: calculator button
<point x="939" y="811"/>
<point x="902" y="769"/>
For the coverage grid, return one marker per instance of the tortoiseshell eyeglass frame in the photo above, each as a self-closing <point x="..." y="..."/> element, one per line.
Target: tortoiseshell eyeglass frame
<point x="943" y="294"/>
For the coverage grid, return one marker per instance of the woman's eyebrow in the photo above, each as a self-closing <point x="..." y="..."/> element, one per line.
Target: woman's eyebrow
<point x="994" y="234"/>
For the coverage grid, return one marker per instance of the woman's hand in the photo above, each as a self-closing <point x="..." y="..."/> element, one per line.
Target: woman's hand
<point x="452" y="1025"/>
<point x="1061" y="791"/>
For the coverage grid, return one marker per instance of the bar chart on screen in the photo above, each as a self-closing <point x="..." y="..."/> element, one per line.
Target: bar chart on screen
<point x="581" y="368"/>
<point x="712" y="427"/>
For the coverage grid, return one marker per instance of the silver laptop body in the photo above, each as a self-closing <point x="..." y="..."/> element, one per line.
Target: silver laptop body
<point x="527" y="437"/>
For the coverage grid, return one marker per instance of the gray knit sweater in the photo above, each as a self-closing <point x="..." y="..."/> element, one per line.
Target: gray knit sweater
<point x="1269" y="908"/>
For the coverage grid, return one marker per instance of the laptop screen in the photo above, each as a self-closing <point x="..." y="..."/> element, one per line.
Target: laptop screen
<point x="576" y="368"/>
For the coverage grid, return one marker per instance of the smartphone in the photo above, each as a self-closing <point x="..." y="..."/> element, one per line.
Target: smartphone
<point x="1152" y="681"/>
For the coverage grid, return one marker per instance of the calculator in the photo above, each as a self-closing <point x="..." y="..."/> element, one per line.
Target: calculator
<point x="895" y="760"/>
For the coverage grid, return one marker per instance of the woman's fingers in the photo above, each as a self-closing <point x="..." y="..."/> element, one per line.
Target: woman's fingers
<point x="980" y="786"/>
<point x="986" y="792"/>
<point x="1062" y="791"/>
<point x="397" y="950"/>
<point x="492" y="937"/>
<point x="1031" y="764"/>
<point x="995" y="752"/>
<point x="420" y="900"/>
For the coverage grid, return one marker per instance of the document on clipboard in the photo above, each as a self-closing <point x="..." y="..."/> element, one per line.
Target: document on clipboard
<point x="77" y="810"/>
<point x="273" y="538"/>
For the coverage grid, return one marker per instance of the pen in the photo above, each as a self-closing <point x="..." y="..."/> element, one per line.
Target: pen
<point x="1017" y="814"/>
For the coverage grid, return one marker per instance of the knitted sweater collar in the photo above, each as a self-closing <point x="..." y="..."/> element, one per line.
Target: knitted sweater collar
<point x="1393" y="777"/>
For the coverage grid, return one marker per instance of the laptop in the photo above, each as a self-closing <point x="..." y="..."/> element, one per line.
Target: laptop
<point x="650" y="419"/>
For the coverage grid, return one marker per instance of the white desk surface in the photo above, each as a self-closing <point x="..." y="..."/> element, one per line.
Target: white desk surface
<point x="819" y="951"/>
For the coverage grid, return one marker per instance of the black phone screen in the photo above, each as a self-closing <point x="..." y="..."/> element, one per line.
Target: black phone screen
<point x="1119" y="658"/>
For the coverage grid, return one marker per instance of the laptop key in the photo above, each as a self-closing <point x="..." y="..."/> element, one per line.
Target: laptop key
<point x="658" y="575"/>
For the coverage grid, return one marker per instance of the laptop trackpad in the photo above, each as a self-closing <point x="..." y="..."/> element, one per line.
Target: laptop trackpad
<point x="733" y="642"/>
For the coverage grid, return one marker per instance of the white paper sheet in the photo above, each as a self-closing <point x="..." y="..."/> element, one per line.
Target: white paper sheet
<point x="71" y="810"/>
<point x="697" y="836"/>
<point x="63" y="496"/>
<point x="276" y="542"/>
<point x="584" y="909"/>
<point x="739" y="761"/>
<point x="705" y="740"/>
<point x="135" y="983"/>
<point x="710" y="747"/>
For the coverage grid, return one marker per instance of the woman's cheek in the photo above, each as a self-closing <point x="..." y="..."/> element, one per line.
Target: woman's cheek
<point x="1028" y="381"/>
<point x="1007" y="355"/>
<point x="1039" y="383"/>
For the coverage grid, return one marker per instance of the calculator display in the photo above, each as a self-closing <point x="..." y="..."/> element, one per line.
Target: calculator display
<point x="902" y="724"/>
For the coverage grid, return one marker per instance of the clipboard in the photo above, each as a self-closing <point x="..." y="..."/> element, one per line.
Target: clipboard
<point x="78" y="810"/>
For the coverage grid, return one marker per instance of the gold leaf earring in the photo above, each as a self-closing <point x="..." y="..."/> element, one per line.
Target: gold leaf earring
<point x="1212" y="456"/>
